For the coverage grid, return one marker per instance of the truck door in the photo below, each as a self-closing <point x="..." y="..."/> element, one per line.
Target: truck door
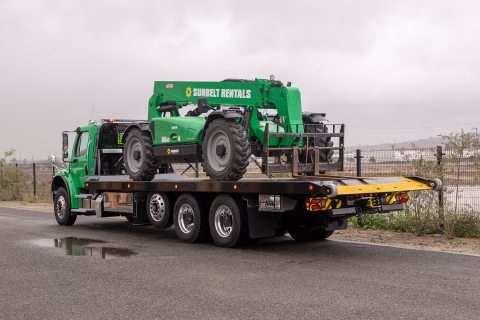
<point x="79" y="159"/>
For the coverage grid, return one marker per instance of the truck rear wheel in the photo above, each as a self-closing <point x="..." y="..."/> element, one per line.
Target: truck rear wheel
<point x="325" y="234"/>
<point x="301" y="230"/>
<point x="228" y="222"/>
<point x="226" y="150"/>
<point x="191" y="223"/>
<point x="62" y="208"/>
<point x="158" y="210"/>
<point x="138" y="156"/>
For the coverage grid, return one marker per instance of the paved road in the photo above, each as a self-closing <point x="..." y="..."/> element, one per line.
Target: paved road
<point x="277" y="278"/>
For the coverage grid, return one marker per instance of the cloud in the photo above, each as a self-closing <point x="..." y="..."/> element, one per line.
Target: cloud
<point x="371" y="64"/>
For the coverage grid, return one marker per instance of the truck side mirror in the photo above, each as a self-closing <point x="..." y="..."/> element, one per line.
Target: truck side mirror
<point x="202" y="105"/>
<point x="65" y="146"/>
<point x="53" y="158"/>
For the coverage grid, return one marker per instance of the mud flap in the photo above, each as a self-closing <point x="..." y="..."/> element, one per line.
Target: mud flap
<point x="261" y="224"/>
<point x="140" y="209"/>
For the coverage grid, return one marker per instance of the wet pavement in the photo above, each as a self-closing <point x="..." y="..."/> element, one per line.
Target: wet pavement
<point x="44" y="278"/>
<point x="84" y="247"/>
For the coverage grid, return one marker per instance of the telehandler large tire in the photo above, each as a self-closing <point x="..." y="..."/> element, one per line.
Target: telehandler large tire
<point x="138" y="156"/>
<point x="325" y="155"/>
<point x="226" y="150"/>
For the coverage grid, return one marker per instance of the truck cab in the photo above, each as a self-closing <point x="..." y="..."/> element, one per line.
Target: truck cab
<point x="96" y="149"/>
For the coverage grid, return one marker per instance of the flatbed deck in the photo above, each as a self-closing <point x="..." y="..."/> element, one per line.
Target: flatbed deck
<point x="316" y="187"/>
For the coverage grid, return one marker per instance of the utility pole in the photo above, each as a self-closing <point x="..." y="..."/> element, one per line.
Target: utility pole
<point x="477" y="144"/>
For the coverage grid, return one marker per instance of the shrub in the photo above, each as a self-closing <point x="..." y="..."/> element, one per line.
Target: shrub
<point x="13" y="180"/>
<point x="467" y="225"/>
<point x="12" y="183"/>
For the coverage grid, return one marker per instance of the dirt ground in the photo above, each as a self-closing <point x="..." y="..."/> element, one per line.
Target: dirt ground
<point x="382" y="237"/>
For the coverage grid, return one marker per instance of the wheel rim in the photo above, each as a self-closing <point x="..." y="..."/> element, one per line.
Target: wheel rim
<point x="157" y="207"/>
<point x="223" y="221"/>
<point x="185" y="218"/>
<point x="133" y="146"/>
<point x="217" y="139"/>
<point x="61" y="207"/>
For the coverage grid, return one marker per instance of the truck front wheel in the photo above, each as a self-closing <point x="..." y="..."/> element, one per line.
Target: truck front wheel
<point x="191" y="224"/>
<point x="138" y="156"/>
<point x="228" y="222"/>
<point x="62" y="207"/>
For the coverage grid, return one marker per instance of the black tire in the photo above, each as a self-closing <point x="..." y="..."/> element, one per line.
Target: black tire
<point x="300" y="230"/>
<point x="325" y="234"/>
<point x="138" y="156"/>
<point x="158" y="210"/>
<point x="228" y="222"/>
<point x="226" y="150"/>
<point x="280" y="231"/>
<point x="325" y="155"/>
<point x="191" y="222"/>
<point x="62" y="208"/>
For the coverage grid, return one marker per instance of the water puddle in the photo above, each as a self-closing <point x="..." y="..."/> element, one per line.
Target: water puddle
<point x="84" y="247"/>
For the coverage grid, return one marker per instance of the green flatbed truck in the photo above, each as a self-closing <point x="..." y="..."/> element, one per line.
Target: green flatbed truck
<point x="232" y="213"/>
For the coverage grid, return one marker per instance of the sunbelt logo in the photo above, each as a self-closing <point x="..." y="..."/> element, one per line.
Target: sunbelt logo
<point x="218" y="93"/>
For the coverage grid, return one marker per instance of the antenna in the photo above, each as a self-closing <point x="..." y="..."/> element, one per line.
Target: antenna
<point x="93" y="107"/>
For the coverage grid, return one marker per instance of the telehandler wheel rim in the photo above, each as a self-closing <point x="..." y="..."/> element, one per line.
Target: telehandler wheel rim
<point x="185" y="218"/>
<point x="157" y="207"/>
<point x="61" y="207"/>
<point x="219" y="140"/>
<point x="223" y="221"/>
<point x="134" y="146"/>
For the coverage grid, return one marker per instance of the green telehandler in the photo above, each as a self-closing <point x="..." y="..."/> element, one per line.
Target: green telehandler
<point x="233" y="119"/>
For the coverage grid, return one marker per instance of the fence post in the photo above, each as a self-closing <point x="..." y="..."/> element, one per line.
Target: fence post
<point x="439" y="156"/>
<point x="359" y="162"/>
<point x="34" y="181"/>
<point x="16" y="178"/>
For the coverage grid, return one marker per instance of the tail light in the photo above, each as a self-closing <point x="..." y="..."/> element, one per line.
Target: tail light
<point x="322" y="203"/>
<point x="401" y="197"/>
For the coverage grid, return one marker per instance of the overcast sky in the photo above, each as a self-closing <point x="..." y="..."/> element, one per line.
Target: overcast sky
<point x="392" y="71"/>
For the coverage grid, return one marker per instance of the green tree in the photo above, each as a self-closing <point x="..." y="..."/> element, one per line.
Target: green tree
<point x="7" y="154"/>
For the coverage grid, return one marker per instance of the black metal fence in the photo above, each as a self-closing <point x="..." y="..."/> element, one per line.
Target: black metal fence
<point x="460" y="174"/>
<point x="20" y="180"/>
<point x="429" y="162"/>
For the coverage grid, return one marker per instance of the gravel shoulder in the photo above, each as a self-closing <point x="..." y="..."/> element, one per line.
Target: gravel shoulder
<point x="382" y="237"/>
<point x="429" y="242"/>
